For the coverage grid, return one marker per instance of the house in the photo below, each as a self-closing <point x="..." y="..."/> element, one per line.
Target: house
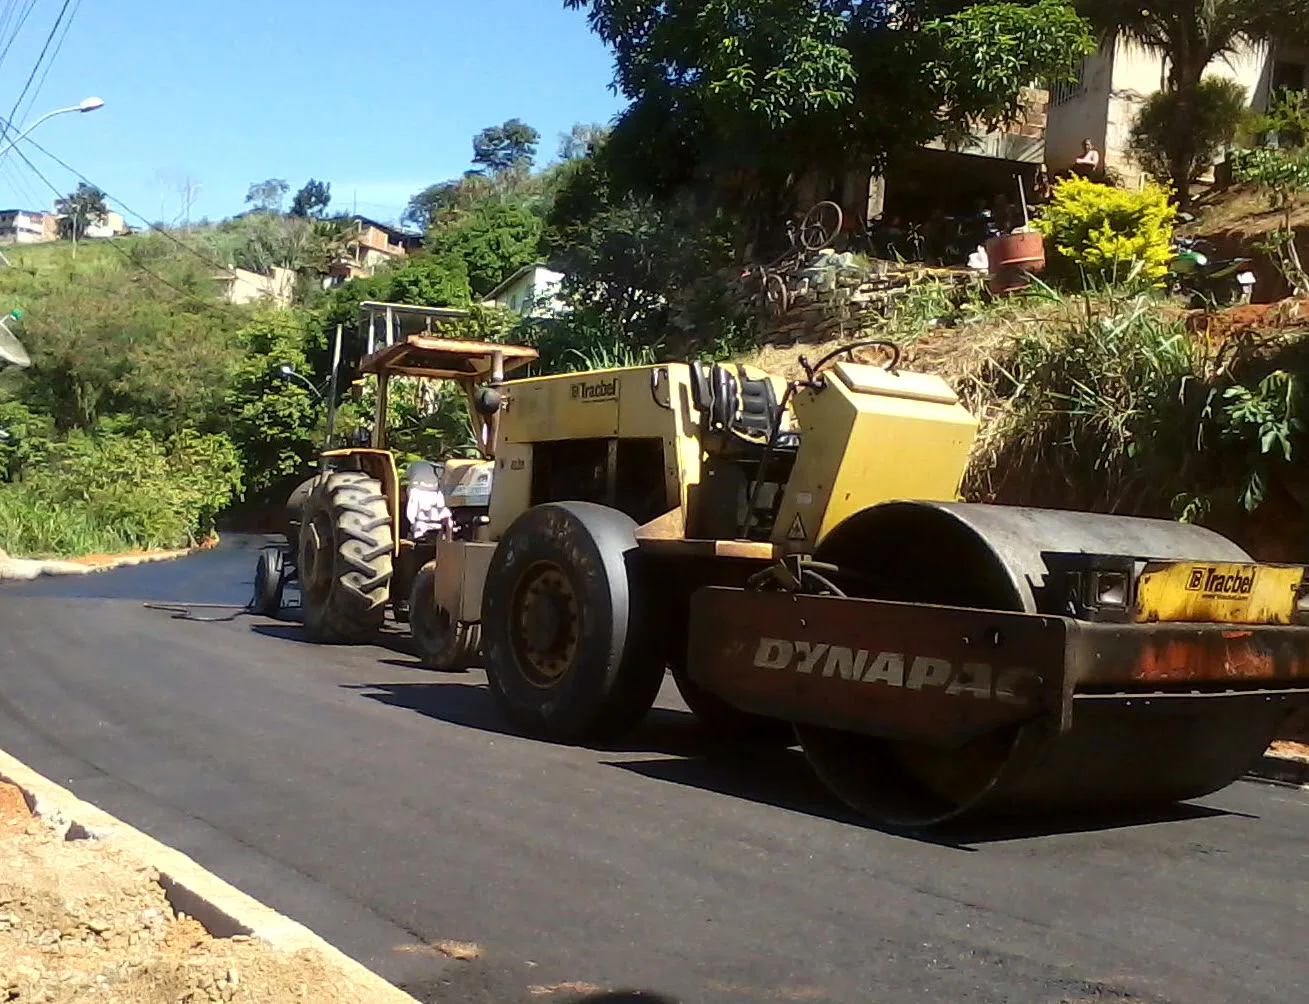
<point x="25" y="226"/>
<point x="1103" y="103"/>
<point x="240" y="286"/>
<point x="532" y="291"/>
<point x="372" y="244"/>
<point x="108" y="226"/>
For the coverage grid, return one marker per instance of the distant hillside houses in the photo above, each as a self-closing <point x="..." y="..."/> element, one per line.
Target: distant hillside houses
<point x="35" y="226"/>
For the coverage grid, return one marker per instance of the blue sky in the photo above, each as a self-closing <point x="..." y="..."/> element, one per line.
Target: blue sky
<point x="380" y="98"/>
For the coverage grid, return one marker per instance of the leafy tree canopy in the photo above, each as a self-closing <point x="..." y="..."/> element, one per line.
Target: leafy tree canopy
<point x="511" y="146"/>
<point x="267" y="196"/>
<point x="753" y="91"/>
<point x="81" y="209"/>
<point x="312" y="200"/>
<point x="492" y="242"/>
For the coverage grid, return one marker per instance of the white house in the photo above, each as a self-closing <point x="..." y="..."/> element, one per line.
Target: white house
<point x="1113" y="84"/>
<point x="532" y="291"/>
<point x="21" y="226"/>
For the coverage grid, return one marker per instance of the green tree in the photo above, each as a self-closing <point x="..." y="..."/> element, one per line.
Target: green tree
<point x="1190" y="35"/>
<point x="737" y="96"/>
<point x="274" y="420"/>
<point x="82" y="209"/>
<point x="267" y="196"/>
<point x="582" y="141"/>
<point x="491" y="241"/>
<point x="1220" y="111"/>
<point x="507" y="147"/>
<point x="313" y="199"/>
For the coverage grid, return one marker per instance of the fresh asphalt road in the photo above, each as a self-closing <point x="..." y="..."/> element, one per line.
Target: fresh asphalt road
<point x="388" y="809"/>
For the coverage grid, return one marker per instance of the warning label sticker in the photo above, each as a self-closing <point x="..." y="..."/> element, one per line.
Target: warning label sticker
<point x="797" y="529"/>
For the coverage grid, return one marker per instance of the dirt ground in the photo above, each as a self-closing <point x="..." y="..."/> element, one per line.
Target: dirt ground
<point x="78" y="922"/>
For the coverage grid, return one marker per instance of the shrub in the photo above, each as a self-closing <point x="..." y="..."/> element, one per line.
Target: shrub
<point x="1283" y="176"/>
<point x="115" y="492"/>
<point x="1100" y="234"/>
<point x="1220" y="112"/>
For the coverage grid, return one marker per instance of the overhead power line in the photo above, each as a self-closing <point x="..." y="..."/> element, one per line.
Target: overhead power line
<point x="112" y="242"/>
<point x="59" y="46"/>
<point x="201" y="256"/>
<point x="49" y="39"/>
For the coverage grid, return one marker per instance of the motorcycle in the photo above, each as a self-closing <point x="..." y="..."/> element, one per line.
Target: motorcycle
<point x="1207" y="281"/>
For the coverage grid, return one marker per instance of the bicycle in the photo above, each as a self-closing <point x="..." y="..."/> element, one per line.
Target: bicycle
<point x="817" y="230"/>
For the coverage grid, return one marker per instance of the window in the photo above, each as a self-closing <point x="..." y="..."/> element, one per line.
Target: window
<point x="1064" y="92"/>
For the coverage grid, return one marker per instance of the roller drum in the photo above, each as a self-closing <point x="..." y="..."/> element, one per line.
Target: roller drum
<point x="1118" y="753"/>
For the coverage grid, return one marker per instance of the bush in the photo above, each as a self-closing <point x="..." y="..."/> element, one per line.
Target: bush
<point x="1097" y="234"/>
<point x="113" y="492"/>
<point x="1220" y="113"/>
<point x="1095" y="410"/>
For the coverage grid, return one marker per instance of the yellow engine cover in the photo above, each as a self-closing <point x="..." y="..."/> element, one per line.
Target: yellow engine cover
<point x="867" y="437"/>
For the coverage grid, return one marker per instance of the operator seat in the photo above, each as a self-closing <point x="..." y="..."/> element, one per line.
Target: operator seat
<point x="738" y="411"/>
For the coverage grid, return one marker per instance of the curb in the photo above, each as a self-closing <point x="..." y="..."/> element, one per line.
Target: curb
<point x="1279" y="770"/>
<point x="27" y="569"/>
<point x="221" y="909"/>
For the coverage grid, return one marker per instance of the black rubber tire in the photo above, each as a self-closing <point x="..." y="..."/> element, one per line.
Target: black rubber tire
<point x="270" y="580"/>
<point x="345" y="602"/>
<point x="723" y="721"/>
<point x="615" y="672"/>
<point x="443" y="644"/>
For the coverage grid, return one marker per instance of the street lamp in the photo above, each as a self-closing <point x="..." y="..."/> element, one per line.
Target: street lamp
<point x="287" y="372"/>
<point x="89" y="105"/>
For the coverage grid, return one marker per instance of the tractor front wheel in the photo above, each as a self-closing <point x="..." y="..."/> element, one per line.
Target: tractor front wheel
<point x="346" y="549"/>
<point x="443" y="643"/>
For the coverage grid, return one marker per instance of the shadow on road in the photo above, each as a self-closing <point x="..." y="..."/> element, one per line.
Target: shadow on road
<point x="689" y="756"/>
<point x="292" y="630"/>
<point x="744" y="780"/>
<point x="468" y="703"/>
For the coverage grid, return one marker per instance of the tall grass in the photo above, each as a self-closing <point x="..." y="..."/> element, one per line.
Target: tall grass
<point x="1100" y="405"/>
<point x="29" y="526"/>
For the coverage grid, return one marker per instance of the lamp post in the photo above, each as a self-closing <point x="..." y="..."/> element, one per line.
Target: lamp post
<point x="89" y="105"/>
<point x="287" y="372"/>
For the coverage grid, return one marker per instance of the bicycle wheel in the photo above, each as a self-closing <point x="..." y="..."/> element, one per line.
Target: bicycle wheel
<point x="777" y="298"/>
<point x="821" y="226"/>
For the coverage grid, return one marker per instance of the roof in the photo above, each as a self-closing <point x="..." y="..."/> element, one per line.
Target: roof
<point x="387" y="227"/>
<point x="513" y="279"/>
<point x="25" y="212"/>
<point x="445" y="358"/>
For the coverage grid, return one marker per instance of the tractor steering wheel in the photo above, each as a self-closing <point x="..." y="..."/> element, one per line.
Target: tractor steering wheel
<point x="817" y="368"/>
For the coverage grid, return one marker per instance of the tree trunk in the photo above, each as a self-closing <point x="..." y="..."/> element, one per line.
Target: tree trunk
<point x="1181" y="159"/>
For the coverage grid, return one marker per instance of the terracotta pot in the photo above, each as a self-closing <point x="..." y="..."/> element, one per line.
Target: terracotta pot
<point x="1012" y="259"/>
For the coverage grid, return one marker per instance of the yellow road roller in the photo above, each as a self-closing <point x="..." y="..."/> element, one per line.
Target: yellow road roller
<point x="796" y="554"/>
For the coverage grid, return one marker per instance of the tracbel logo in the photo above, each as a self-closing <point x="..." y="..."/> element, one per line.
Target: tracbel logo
<point x="1215" y="582"/>
<point x="896" y="669"/>
<point x="600" y="390"/>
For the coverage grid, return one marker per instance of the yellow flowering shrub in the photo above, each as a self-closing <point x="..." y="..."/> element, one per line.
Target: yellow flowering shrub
<point x="1097" y="233"/>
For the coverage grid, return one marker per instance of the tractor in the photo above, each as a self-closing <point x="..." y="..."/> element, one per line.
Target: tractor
<point x="350" y="548"/>
<point x="797" y="555"/>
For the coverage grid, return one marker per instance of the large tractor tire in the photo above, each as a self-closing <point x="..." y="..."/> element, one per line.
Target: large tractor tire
<point x="345" y="559"/>
<point x="443" y="643"/>
<point x="565" y="634"/>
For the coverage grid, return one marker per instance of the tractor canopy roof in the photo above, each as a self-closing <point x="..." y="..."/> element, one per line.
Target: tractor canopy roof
<point x="445" y="358"/>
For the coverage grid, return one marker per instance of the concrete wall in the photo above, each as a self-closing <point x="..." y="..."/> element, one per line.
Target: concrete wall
<point x="244" y="286"/>
<point x="1079" y="111"/>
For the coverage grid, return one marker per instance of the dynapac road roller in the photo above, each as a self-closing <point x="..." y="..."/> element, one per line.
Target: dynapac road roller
<point x="796" y="554"/>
